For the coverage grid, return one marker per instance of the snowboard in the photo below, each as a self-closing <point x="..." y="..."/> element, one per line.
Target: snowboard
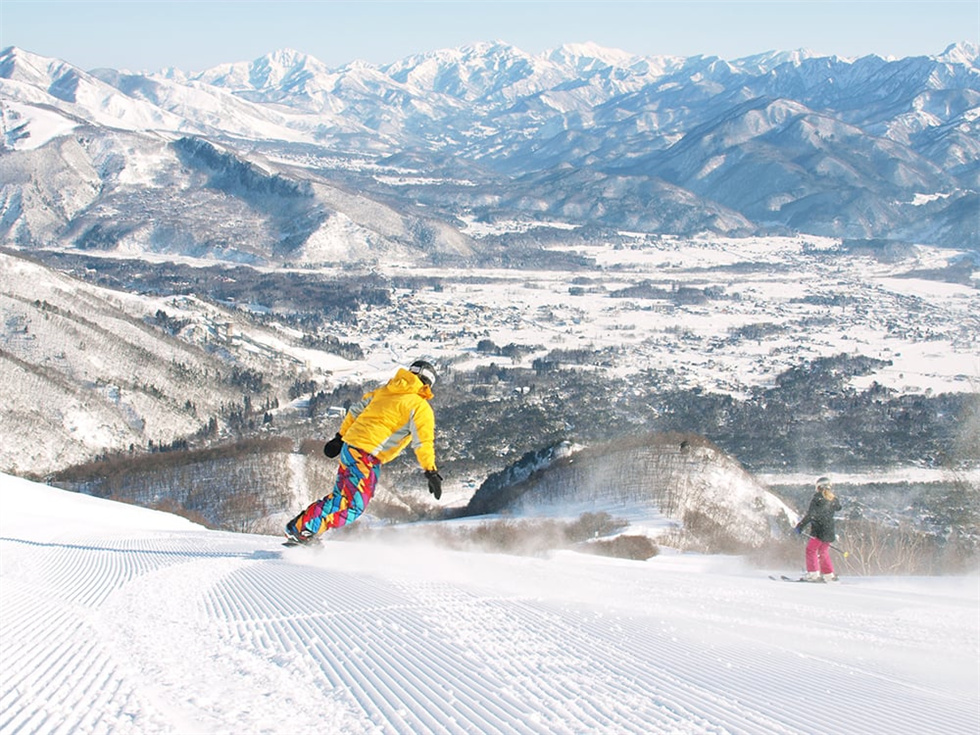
<point x="290" y="543"/>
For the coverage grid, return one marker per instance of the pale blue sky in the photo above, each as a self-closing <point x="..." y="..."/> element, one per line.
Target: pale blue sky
<point x="150" y="34"/>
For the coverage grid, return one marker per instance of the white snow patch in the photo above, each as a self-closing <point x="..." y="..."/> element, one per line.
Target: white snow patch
<point x="26" y="127"/>
<point x="920" y="199"/>
<point x="477" y="229"/>
<point x="120" y="619"/>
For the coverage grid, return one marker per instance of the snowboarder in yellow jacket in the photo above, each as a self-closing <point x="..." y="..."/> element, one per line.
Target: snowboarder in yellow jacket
<point x="374" y="431"/>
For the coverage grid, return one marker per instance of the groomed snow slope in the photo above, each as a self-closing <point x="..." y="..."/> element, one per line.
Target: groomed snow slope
<point x="116" y="619"/>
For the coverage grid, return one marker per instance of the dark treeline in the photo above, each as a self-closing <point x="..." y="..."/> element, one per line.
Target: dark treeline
<point x="810" y="419"/>
<point x="311" y="295"/>
<point x="233" y="486"/>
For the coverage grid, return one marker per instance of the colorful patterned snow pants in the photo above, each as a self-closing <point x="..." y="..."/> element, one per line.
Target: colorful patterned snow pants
<point x="356" y="477"/>
<point x="818" y="556"/>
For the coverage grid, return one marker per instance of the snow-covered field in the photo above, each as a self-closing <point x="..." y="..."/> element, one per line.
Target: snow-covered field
<point x="926" y="329"/>
<point x="117" y="619"/>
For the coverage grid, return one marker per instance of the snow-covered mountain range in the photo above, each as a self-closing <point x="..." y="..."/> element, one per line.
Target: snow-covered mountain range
<point x="302" y="163"/>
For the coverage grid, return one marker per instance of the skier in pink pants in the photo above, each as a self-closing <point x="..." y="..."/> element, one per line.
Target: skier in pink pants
<point x="820" y="517"/>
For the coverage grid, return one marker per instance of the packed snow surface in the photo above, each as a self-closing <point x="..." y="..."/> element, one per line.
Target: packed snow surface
<point x="117" y="619"/>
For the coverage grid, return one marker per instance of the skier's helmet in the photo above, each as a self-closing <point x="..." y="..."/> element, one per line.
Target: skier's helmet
<point x="823" y="483"/>
<point x="425" y="371"/>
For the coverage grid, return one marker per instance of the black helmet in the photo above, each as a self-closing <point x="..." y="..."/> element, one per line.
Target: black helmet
<point x="425" y="371"/>
<point x="823" y="482"/>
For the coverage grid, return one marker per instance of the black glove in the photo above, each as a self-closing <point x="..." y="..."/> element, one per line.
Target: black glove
<point x="435" y="482"/>
<point x="798" y="529"/>
<point x="332" y="448"/>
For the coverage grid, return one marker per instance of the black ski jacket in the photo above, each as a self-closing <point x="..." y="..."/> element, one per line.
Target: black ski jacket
<point x="820" y="516"/>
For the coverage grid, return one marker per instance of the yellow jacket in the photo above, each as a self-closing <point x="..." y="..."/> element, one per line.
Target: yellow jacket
<point x="386" y="420"/>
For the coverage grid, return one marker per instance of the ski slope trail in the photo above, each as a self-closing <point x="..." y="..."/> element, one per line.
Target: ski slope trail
<point x="120" y="620"/>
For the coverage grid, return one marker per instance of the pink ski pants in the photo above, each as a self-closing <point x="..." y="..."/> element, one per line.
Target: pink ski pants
<point x="818" y="557"/>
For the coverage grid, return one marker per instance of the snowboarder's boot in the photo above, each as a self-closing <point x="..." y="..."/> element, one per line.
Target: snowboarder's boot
<point x="301" y="536"/>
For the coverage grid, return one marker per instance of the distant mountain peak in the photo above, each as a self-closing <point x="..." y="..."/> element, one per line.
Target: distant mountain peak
<point x="588" y="56"/>
<point x="276" y="69"/>
<point x="287" y="56"/>
<point x="964" y="52"/>
<point x="480" y="48"/>
<point x="24" y="66"/>
<point x="770" y="59"/>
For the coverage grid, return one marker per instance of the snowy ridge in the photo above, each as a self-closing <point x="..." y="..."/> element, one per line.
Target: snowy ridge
<point x="673" y="475"/>
<point x="152" y="625"/>
<point x="109" y="378"/>
<point x="87" y="351"/>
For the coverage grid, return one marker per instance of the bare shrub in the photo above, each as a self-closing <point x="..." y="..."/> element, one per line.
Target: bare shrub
<point x="638" y="548"/>
<point x="229" y="487"/>
<point x="786" y="551"/>
<point x="703" y="533"/>
<point x="169" y="505"/>
<point x="876" y="548"/>
<point x="873" y="547"/>
<point x="534" y="537"/>
<point x="312" y="447"/>
<point x="593" y="525"/>
<point x="397" y="508"/>
<point x="526" y="538"/>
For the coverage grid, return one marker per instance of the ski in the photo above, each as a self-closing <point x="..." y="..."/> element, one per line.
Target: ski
<point x="784" y="578"/>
